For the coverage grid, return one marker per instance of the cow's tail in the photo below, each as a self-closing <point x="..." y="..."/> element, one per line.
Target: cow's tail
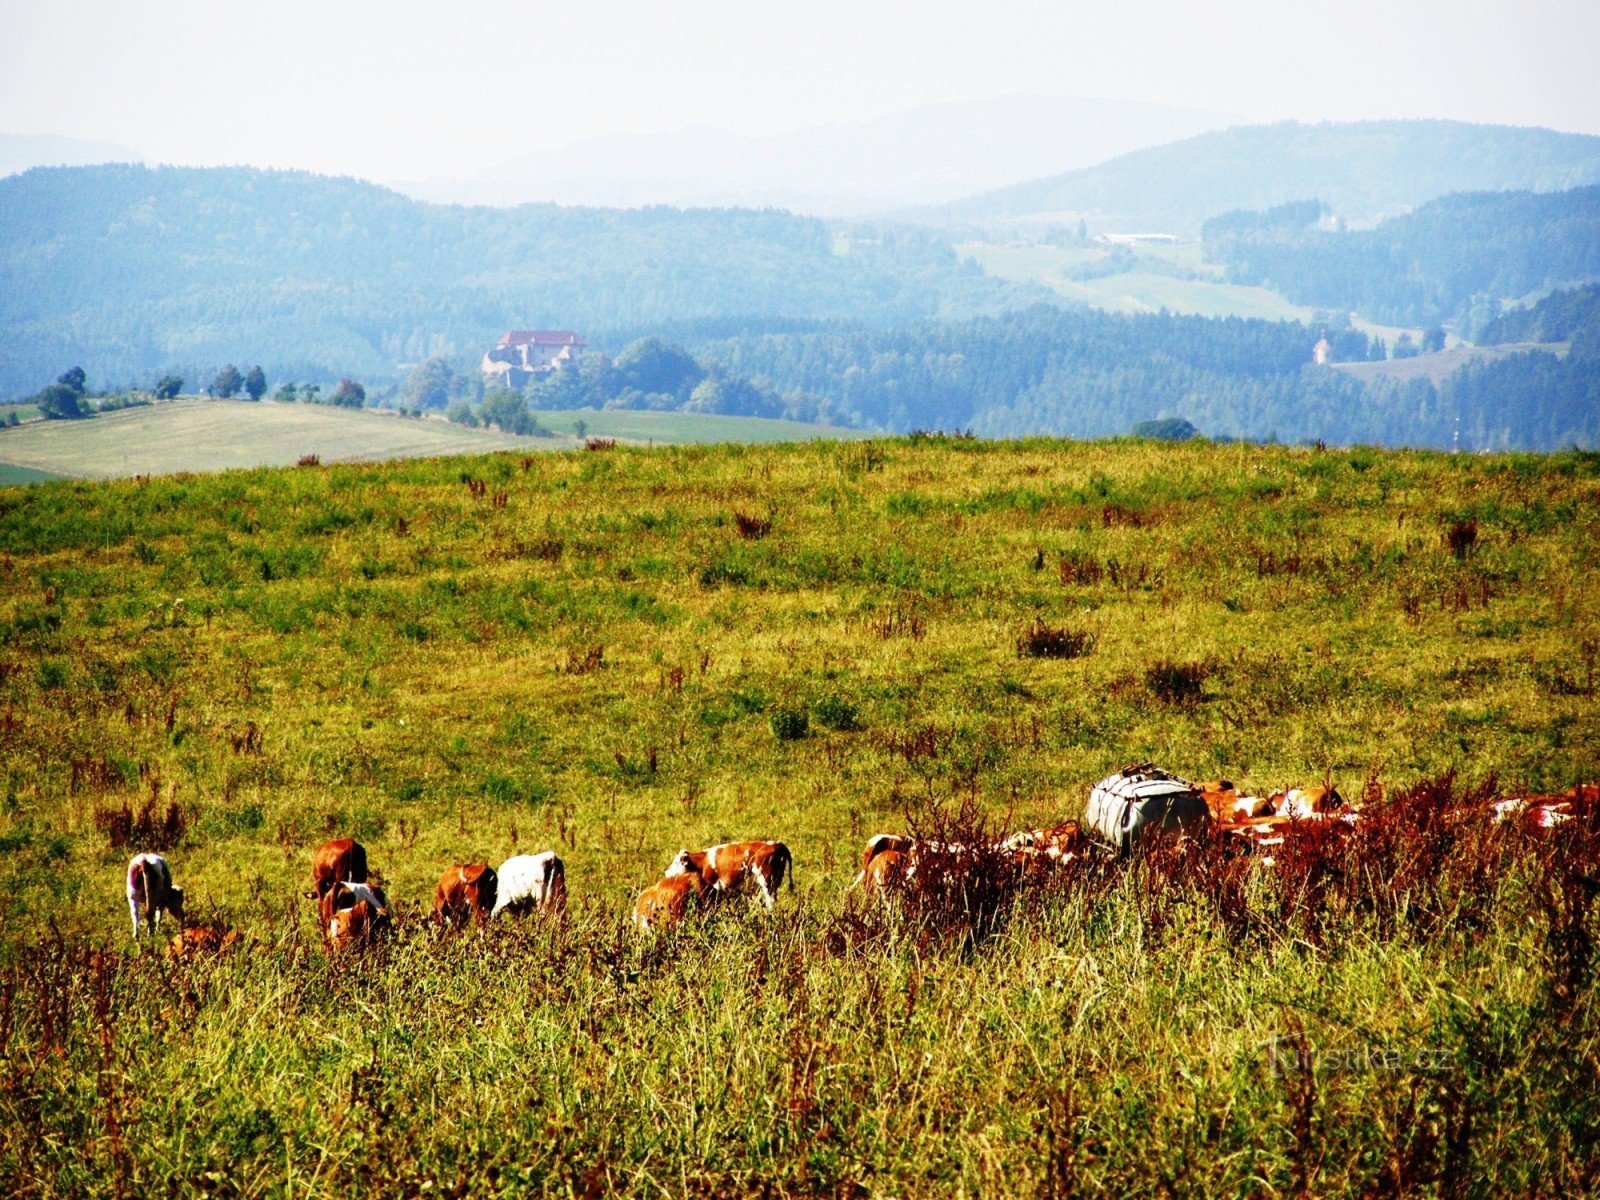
<point x="783" y="869"/>
<point x="555" y="885"/>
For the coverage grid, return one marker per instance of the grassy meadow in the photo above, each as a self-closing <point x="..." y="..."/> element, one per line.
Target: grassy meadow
<point x="594" y="652"/>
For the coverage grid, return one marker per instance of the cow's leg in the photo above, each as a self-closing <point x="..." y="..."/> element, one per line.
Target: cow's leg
<point x="133" y="911"/>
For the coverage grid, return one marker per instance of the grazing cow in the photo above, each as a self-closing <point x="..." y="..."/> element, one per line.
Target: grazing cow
<point x="882" y="843"/>
<point x="356" y="927"/>
<point x="529" y="883"/>
<point x="885" y="872"/>
<point x="151" y="892"/>
<point x="725" y="868"/>
<point x="465" y="891"/>
<point x="338" y="861"/>
<point x="912" y="852"/>
<point x="347" y="895"/>
<point x="664" y="904"/>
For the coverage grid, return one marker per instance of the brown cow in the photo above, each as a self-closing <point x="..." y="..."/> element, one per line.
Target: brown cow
<point x="724" y="868"/>
<point x="664" y="904"/>
<point x="465" y="891"/>
<point x="340" y="861"/>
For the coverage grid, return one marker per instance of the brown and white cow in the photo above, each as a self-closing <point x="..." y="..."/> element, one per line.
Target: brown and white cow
<point x="669" y="902"/>
<point x="466" y="891"/>
<point x="885" y="872"/>
<point x="356" y="927"/>
<point x="725" y="868"/>
<point x="342" y="860"/>
<point x="1058" y="843"/>
<point x="151" y="892"/>
<point x="343" y="895"/>
<point x="1226" y="803"/>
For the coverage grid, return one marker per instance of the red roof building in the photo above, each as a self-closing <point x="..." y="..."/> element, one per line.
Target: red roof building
<point x="524" y="354"/>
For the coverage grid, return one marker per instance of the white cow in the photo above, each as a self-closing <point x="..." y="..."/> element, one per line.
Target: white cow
<point x="150" y="892"/>
<point x="531" y="882"/>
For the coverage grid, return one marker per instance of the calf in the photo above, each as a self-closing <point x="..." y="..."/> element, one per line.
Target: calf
<point x="464" y="892"/>
<point x="664" y="904"/>
<point x="151" y="892"/>
<point x="531" y="882"/>
<point x="198" y="941"/>
<point x="724" y="869"/>
<point x="340" y="861"/>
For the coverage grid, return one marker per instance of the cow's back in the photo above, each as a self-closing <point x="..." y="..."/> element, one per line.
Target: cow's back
<point x="343" y="860"/>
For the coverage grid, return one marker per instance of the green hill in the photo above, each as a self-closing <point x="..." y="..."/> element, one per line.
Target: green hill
<point x="1454" y="258"/>
<point x="128" y="271"/>
<point x="616" y="654"/>
<point x="1365" y="170"/>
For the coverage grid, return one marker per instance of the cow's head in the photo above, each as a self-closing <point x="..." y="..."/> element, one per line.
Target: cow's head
<point x="680" y="865"/>
<point x="175" y="902"/>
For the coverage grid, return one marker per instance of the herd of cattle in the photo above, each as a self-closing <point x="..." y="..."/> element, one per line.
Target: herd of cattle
<point x="353" y="910"/>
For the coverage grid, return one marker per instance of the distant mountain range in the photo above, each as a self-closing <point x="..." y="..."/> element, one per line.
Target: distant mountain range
<point x="1364" y="171"/>
<point x="923" y="155"/>
<point x="22" y="151"/>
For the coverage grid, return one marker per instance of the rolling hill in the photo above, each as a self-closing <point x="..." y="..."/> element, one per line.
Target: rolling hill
<point x="1365" y="170"/>
<point x="1454" y="258"/>
<point x="216" y="435"/>
<point x="128" y="271"/>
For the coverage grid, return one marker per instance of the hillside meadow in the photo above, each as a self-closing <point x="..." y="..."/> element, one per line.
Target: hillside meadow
<point x="596" y="652"/>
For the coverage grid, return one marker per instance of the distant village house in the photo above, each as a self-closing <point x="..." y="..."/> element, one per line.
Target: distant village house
<point x="524" y="354"/>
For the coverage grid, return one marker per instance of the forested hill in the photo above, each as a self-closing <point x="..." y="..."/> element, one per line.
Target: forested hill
<point x="1091" y="374"/>
<point x="128" y="270"/>
<point x="1454" y="258"/>
<point x="1365" y="170"/>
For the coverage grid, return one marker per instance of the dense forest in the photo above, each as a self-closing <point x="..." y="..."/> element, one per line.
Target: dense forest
<point x="1365" y="170"/>
<point x="131" y="271"/>
<point x="1090" y="374"/>
<point x="1453" y="259"/>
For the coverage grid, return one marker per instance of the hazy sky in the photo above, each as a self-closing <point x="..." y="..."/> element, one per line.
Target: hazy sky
<point x="410" y="90"/>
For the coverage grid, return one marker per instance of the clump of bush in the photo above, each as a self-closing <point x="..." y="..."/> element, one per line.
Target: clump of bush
<point x="1041" y="641"/>
<point x="789" y="724"/>
<point x="1177" y="683"/>
<point x="835" y="712"/>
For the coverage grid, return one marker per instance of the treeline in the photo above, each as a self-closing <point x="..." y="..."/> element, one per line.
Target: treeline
<point x="1453" y="259"/>
<point x="1088" y="374"/>
<point x="131" y="271"/>
<point x="650" y="373"/>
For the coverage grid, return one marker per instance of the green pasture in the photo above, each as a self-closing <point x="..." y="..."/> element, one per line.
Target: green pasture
<point x="593" y="653"/>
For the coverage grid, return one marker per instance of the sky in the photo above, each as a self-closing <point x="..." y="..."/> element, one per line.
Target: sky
<point x="408" y="90"/>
